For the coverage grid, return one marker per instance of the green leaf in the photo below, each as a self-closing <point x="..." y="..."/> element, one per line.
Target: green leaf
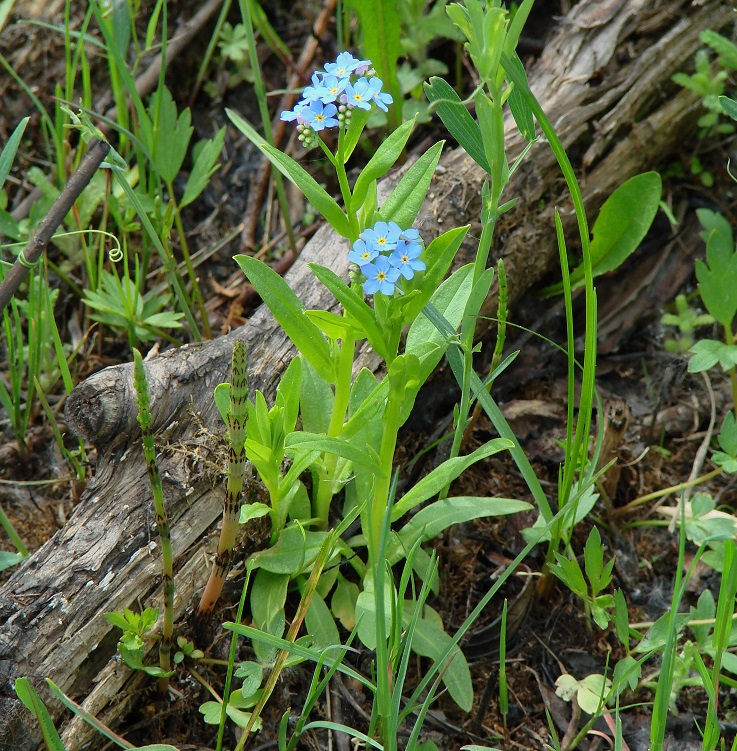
<point x="457" y="120"/>
<point x="354" y="305"/>
<point x="335" y="445"/>
<point x="206" y="154"/>
<point x="7" y="560"/>
<point x="171" y="137"/>
<point x="430" y="521"/>
<point x="320" y="624"/>
<point x="409" y="194"/>
<point x="221" y="395"/>
<point x="706" y="353"/>
<point x="251" y="673"/>
<point x="442" y="476"/>
<point x="593" y="554"/>
<point x="718" y="277"/>
<point x="343" y="602"/>
<point x="569" y="572"/>
<point x="381" y="162"/>
<point x="290" y="313"/>
<point x="295" y="551"/>
<point x="316" y="401"/>
<point x="268" y="595"/>
<point x="431" y="641"/>
<point x="729" y="106"/>
<point x="726" y="49"/>
<point x="7" y="155"/>
<point x="26" y="693"/>
<point x="622" y="224"/>
<point x="518" y="105"/>
<point x="626" y="672"/>
<point x="334" y="326"/>
<point x="314" y="193"/>
<point x="728" y="435"/>
<point x="253" y="511"/>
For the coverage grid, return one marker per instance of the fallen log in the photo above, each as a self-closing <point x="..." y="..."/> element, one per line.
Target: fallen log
<point x="602" y="79"/>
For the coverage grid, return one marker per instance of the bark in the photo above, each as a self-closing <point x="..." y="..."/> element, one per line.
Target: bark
<point x="604" y="81"/>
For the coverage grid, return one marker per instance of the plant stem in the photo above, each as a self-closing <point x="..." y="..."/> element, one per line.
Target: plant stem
<point x="236" y="420"/>
<point x="337" y="419"/>
<point x="162" y="522"/>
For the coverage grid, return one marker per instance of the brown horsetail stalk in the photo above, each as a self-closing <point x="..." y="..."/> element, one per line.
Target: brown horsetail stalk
<point x="162" y="522"/>
<point x="236" y="421"/>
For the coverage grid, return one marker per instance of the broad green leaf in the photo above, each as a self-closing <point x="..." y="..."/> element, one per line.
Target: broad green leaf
<point x="290" y="313"/>
<point x="253" y="511"/>
<point x="366" y="611"/>
<point x="364" y="384"/>
<point x="221" y="395"/>
<point x="206" y="154"/>
<point x="334" y="326"/>
<point x="7" y="155"/>
<point x="354" y="304"/>
<point x="431" y="641"/>
<point x="316" y="401"/>
<point x="457" y="120"/>
<point x="9" y="559"/>
<point x="728" y="435"/>
<point x="518" y="105"/>
<point x="619" y="229"/>
<point x="171" y="136"/>
<point x="726" y="49"/>
<point x="713" y="220"/>
<point x="718" y="278"/>
<point x="335" y="445"/>
<point x="26" y="693"/>
<point x="320" y="624"/>
<point x="409" y="194"/>
<point x="343" y="602"/>
<point x="729" y="106"/>
<point x="294" y="552"/>
<point x="706" y="353"/>
<point x="268" y="595"/>
<point x="251" y="674"/>
<point x="589" y="692"/>
<point x="381" y="162"/>
<point x="443" y="475"/>
<point x="430" y="521"/>
<point x="314" y="193"/>
<point x="287" y="394"/>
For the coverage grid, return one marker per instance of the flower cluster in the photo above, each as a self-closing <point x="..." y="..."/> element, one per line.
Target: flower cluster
<point x="343" y="85"/>
<point x="384" y="253"/>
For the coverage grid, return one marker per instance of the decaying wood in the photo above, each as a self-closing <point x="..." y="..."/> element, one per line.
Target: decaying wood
<point x="106" y="557"/>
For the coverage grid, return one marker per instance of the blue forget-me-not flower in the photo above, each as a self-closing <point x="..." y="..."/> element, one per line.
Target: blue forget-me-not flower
<point x="384" y="253"/>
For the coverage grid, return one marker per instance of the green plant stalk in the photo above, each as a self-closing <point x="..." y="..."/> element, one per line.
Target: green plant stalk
<point x="326" y="487"/>
<point x="260" y="90"/>
<point x="162" y="522"/>
<point x="232" y="658"/>
<point x="236" y="418"/>
<point x="196" y="291"/>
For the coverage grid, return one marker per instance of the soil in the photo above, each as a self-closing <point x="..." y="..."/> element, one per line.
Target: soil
<point x="669" y="413"/>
